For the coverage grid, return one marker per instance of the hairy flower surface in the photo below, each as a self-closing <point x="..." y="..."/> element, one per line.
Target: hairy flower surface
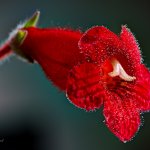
<point x="94" y="69"/>
<point x="55" y="49"/>
<point x="113" y="75"/>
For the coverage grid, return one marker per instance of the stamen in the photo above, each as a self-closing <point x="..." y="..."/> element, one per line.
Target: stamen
<point x="119" y="71"/>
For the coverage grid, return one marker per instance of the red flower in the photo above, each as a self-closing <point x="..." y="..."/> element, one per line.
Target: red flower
<point x="112" y="74"/>
<point x="95" y="68"/>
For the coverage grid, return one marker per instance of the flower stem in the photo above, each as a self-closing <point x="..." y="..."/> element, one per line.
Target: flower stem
<point x="5" y="51"/>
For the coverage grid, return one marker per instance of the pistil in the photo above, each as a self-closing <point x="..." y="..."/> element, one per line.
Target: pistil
<point x="119" y="71"/>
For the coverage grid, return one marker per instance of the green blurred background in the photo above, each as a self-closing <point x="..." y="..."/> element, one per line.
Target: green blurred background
<point x="36" y="115"/>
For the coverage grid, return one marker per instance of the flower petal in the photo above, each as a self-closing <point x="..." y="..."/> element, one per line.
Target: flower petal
<point x="131" y="50"/>
<point x="121" y="115"/>
<point x="84" y="88"/>
<point x="130" y="44"/>
<point x="99" y="43"/>
<point x="145" y="84"/>
<point x="141" y="89"/>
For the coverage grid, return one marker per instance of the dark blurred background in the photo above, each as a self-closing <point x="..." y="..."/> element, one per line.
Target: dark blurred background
<point x="33" y="113"/>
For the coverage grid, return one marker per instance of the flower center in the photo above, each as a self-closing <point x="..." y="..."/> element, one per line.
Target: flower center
<point x="114" y="74"/>
<point x="119" y="71"/>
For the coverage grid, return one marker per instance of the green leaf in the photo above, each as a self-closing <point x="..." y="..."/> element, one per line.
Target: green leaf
<point x="32" y="22"/>
<point x="20" y="36"/>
